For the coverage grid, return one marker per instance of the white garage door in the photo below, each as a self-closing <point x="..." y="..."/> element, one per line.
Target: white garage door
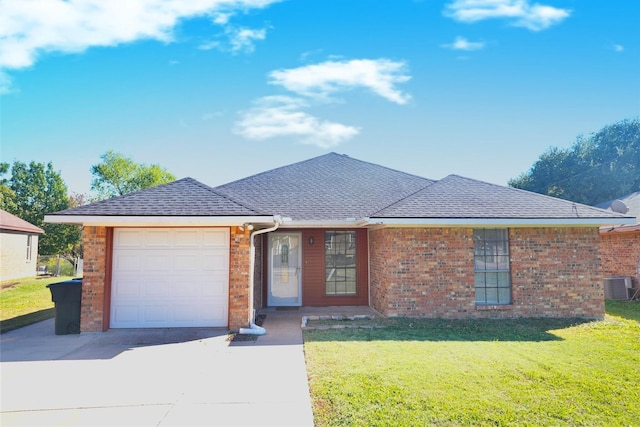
<point x="169" y="277"/>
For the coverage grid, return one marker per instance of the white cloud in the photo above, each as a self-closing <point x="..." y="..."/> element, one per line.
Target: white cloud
<point x="242" y="39"/>
<point x="6" y="85"/>
<point x="520" y="13"/>
<point x="283" y="116"/>
<point x="322" y="80"/>
<point x="618" y="48"/>
<point x="29" y="28"/>
<point x="461" y="43"/>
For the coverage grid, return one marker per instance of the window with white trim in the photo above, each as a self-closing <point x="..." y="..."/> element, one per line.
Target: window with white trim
<point x="29" y="246"/>
<point x="491" y="260"/>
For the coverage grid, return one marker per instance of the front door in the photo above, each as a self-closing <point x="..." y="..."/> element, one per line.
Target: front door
<point x="285" y="271"/>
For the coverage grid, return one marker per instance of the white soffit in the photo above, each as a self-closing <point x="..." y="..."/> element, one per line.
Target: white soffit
<point x="155" y="221"/>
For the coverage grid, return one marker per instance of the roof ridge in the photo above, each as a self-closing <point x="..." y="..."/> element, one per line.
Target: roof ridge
<point x="221" y="194"/>
<point x="330" y="154"/>
<point x="404" y="198"/>
<point x="432" y="181"/>
<point x="246" y="178"/>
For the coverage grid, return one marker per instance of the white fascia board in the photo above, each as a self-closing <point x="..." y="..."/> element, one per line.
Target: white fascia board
<point x="499" y="222"/>
<point x="157" y="221"/>
<point x="326" y="224"/>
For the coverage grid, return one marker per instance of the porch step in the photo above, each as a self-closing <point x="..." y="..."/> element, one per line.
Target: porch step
<point x="340" y="317"/>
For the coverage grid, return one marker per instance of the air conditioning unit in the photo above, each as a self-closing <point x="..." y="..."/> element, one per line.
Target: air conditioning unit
<point x="617" y="287"/>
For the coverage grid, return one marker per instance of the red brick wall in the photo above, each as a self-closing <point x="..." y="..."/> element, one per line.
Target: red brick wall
<point x="428" y="272"/>
<point x="94" y="280"/>
<point x="620" y="254"/>
<point x="422" y="272"/>
<point x="556" y="272"/>
<point x="239" y="278"/>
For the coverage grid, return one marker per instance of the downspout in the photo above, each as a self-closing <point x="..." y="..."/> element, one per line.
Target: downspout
<point x="254" y="329"/>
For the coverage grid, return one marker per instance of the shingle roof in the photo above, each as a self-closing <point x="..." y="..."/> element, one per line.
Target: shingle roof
<point x="632" y="201"/>
<point x="335" y="187"/>
<point x="459" y="197"/>
<point x="329" y="187"/>
<point x="185" y="197"/>
<point x="13" y="223"/>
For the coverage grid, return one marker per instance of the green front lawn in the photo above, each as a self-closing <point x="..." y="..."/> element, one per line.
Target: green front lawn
<point x="25" y="301"/>
<point x="492" y="372"/>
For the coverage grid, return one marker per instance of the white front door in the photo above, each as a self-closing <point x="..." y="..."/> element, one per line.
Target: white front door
<point x="285" y="269"/>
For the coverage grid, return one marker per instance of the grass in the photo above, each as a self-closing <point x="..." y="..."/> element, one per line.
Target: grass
<point x="25" y="301"/>
<point x="482" y="373"/>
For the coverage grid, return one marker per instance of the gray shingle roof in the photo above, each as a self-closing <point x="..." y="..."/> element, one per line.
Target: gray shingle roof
<point x="329" y="187"/>
<point x="185" y="197"/>
<point x="632" y="201"/>
<point x="335" y="187"/>
<point x="459" y="197"/>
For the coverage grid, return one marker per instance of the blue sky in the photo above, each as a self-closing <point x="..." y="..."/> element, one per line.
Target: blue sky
<point x="222" y="89"/>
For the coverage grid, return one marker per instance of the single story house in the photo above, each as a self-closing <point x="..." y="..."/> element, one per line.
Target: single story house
<point x="620" y="244"/>
<point x="18" y="247"/>
<point x="336" y="231"/>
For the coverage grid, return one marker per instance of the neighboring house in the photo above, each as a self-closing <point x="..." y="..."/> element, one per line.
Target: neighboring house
<point x="336" y="231"/>
<point x="18" y="247"/>
<point x="620" y="245"/>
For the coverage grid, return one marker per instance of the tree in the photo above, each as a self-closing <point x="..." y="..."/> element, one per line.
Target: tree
<point x="7" y="196"/>
<point x="117" y="175"/>
<point x="597" y="168"/>
<point x="39" y="190"/>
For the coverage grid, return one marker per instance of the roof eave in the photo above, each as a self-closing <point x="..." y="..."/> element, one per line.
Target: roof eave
<point x="157" y="221"/>
<point x="501" y="222"/>
<point x="346" y="223"/>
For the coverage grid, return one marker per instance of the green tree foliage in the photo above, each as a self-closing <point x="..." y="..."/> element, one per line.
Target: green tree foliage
<point x="7" y="196"/>
<point x="38" y="190"/>
<point x="597" y="168"/>
<point x="117" y="175"/>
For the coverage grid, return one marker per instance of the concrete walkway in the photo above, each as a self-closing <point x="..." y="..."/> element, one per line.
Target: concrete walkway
<point x="155" y="377"/>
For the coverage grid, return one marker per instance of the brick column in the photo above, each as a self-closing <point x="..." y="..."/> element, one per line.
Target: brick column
<point x="239" y="264"/>
<point x="94" y="279"/>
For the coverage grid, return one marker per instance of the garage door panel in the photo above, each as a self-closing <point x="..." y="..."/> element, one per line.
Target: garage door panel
<point x="188" y="239"/>
<point x="128" y="238"/>
<point x="158" y="239"/>
<point x="127" y="261"/>
<point x="215" y="238"/>
<point x="162" y="280"/>
<point x="125" y="315"/>
<point x="216" y="288"/>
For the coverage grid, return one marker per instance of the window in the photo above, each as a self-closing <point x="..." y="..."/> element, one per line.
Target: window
<point x="340" y="262"/>
<point x="491" y="257"/>
<point x="29" y="244"/>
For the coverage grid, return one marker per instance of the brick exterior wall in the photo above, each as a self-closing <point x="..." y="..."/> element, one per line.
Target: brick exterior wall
<point x="93" y="282"/>
<point x="620" y="254"/>
<point x="239" y="265"/>
<point x="428" y="272"/>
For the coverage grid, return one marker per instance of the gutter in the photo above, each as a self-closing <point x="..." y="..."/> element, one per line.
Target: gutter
<point x="522" y="222"/>
<point x="254" y="329"/>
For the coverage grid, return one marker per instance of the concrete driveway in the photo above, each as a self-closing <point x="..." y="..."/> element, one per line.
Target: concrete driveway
<point x="164" y="377"/>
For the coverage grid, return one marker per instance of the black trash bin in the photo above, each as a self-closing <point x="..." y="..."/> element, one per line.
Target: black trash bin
<point x="66" y="296"/>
